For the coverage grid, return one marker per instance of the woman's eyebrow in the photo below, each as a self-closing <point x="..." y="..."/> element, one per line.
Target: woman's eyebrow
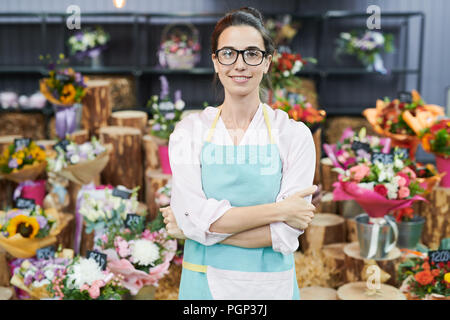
<point x="249" y="47"/>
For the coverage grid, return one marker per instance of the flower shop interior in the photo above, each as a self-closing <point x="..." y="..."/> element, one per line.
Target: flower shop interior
<point x="90" y="92"/>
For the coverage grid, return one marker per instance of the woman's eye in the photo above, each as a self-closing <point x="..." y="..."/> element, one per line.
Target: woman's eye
<point x="227" y="53"/>
<point x="252" y="53"/>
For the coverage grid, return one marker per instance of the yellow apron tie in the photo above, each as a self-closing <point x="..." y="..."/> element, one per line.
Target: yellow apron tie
<point x="213" y="126"/>
<point x="194" y="267"/>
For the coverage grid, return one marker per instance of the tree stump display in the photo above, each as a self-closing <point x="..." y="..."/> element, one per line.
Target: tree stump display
<point x="16" y="122"/>
<point x="80" y="136"/>
<point x="318" y="293"/>
<point x="125" y="163"/>
<point x="129" y="118"/>
<point x="335" y="252"/>
<point x="154" y="179"/>
<point x="328" y="177"/>
<point x="326" y="228"/>
<point x="327" y="204"/>
<point x="356" y="266"/>
<point x="6" y="293"/>
<point x="350" y="230"/>
<point x="359" y="291"/>
<point x="151" y="153"/>
<point x="5" y="274"/>
<point x="66" y="236"/>
<point x="96" y="106"/>
<point x="437" y="217"/>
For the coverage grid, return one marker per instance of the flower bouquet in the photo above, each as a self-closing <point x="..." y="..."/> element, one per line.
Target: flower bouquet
<point x="354" y="147"/>
<point x="34" y="276"/>
<point x="180" y="47"/>
<point x="367" y="48"/>
<point x="64" y="88"/>
<point x="83" y="279"/>
<point x="436" y="139"/>
<point x="301" y="111"/>
<point x="23" y="231"/>
<point x="22" y="162"/>
<point x="282" y="31"/>
<point x="400" y="119"/>
<point x="80" y="163"/>
<point x="423" y="280"/>
<point x="88" y="43"/>
<point x="166" y="115"/>
<point x="285" y="67"/>
<point x="141" y="257"/>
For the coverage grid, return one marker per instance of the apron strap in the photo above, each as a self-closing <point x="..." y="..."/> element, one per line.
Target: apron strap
<point x="266" y="118"/>
<point x="194" y="267"/>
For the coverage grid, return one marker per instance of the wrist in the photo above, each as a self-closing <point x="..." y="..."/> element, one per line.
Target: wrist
<point x="275" y="212"/>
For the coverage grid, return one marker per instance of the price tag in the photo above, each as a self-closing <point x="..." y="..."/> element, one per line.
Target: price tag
<point x="24" y="203"/>
<point x="402" y="152"/>
<point x="122" y="192"/>
<point x="62" y="144"/>
<point x="133" y="220"/>
<point x="22" y="142"/>
<point x="405" y="96"/>
<point x="357" y="145"/>
<point x="46" y="253"/>
<point x="100" y="258"/>
<point x="384" y="158"/>
<point x="439" y="256"/>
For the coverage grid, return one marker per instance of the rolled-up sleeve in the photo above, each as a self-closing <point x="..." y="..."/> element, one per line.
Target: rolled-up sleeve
<point x="193" y="212"/>
<point x="298" y="174"/>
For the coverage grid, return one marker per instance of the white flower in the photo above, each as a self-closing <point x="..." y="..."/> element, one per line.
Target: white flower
<point x="382" y="176"/>
<point x="86" y="271"/>
<point x="49" y="274"/>
<point x="144" y="252"/>
<point x="367" y="185"/>
<point x="86" y="148"/>
<point x="179" y="105"/>
<point x="286" y="73"/>
<point x="378" y="38"/>
<point x="166" y="106"/>
<point x="392" y="190"/>
<point x="44" y="282"/>
<point x="164" y="127"/>
<point x="398" y="163"/>
<point x="346" y="36"/>
<point x="75" y="159"/>
<point x="155" y="106"/>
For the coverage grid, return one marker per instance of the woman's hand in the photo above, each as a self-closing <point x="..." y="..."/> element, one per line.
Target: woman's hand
<point x="296" y="211"/>
<point x="171" y="224"/>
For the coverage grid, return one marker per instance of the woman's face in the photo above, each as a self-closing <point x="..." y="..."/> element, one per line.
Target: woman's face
<point x="240" y="78"/>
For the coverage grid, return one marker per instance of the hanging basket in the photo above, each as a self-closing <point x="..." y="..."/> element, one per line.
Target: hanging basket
<point x="175" y="56"/>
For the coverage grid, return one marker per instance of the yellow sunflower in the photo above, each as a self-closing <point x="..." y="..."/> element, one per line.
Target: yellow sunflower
<point x="68" y="94"/>
<point x="28" y="227"/>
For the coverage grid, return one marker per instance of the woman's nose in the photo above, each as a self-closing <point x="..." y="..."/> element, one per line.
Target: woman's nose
<point x="240" y="64"/>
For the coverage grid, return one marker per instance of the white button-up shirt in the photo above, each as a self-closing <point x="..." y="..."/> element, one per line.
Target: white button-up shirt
<point x="194" y="212"/>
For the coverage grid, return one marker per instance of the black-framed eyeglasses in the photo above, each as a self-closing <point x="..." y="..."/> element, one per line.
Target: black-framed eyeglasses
<point x="228" y="56"/>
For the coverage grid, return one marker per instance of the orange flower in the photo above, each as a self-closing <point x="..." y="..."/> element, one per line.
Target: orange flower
<point x="424" y="277"/>
<point x="68" y="94"/>
<point x="435" y="272"/>
<point x="426" y="266"/>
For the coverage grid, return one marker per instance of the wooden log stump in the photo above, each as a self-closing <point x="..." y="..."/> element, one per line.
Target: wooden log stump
<point x="335" y="252"/>
<point x="351" y="234"/>
<point x="80" y="136"/>
<point x="327" y="204"/>
<point x="357" y="267"/>
<point x="96" y="106"/>
<point x="328" y="176"/>
<point x="318" y="293"/>
<point x="129" y="118"/>
<point x="151" y="154"/>
<point x="437" y="217"/>
<point x="125" y="163"/>
<point x="317" y="136"/>
<point x="7" y="188"/>
<point x="154" y="179"/>
<point x="358" y="291"/>
<point x="5" y="274"/>
<point x="66" y="236"/>
<point x="326" y="228"/>
<point x="6" y="293"/>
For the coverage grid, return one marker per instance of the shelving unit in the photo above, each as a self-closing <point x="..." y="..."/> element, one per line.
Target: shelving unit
<point x="139" y="34"/>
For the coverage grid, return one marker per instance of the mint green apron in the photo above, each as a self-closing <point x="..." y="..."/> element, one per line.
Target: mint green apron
<point x="246" y="175"/>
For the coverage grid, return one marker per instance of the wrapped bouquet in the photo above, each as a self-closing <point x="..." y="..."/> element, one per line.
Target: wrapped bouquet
<point x="88" y="43"/>
<point x="80" y="163"/>
<point x="23" y="160"/>
<point x="399" y="119"/>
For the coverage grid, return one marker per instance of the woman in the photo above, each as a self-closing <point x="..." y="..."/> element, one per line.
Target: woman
<point x="241" y="173"/>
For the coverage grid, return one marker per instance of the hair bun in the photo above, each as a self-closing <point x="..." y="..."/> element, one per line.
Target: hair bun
<point x="253" y="11"/>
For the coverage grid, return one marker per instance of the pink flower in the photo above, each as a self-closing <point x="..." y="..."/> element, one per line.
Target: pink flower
<point x="94" y="290"/>
<point x="104" y="238"/>
<point x="403" y="192"/>
<point x="122" y="247"/>
<point x="404" y="182"/>
<point x="146" y="235"/>
<point x="411" y="173"/>
<point x="381" y="189"/>
<point x="359" y="172"/>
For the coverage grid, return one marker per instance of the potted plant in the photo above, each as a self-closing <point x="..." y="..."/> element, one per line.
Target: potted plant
<point x="166" y="114"/>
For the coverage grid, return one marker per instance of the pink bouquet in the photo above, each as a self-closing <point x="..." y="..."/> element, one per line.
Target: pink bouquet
<point x="354" y="147"/>
<point x="378" y="187"/>
<point x="141" y="258"/>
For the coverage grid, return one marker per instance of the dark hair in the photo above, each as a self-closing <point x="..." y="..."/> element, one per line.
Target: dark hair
<point x="245" y="16"/>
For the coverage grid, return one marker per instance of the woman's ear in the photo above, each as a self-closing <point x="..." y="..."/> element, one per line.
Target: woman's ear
<point x="214" y="60"/>
<point x="268" y="61"/>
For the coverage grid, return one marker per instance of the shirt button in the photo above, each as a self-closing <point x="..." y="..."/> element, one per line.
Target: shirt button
<point x="186" y="214"/>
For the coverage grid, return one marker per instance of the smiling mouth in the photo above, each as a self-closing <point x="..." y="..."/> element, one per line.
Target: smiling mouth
<point x="240" y="78"/>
